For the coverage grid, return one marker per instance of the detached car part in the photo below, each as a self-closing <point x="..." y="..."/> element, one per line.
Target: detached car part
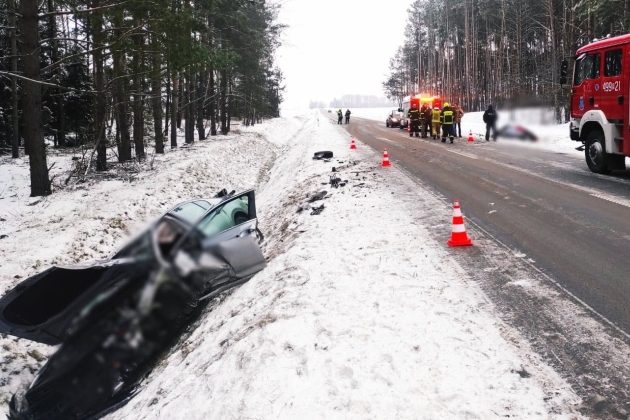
<point x="113" y="320"/>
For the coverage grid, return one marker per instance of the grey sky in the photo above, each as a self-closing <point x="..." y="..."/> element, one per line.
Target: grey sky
<point x="337" y="47"/>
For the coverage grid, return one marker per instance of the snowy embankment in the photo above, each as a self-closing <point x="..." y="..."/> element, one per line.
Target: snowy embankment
<point x="359" y="314"/>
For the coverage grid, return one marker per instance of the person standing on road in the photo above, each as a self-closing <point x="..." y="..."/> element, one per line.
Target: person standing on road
<point x="490" y="118"/>
<point x="414" y="120"/>
<point x="459" y="114"/>
<point x="435" y="122"/>
<point x="447" y="117"/>
<point x="348" y="116"/>
<point x="425" y="120"/>
<point x="339" y="116"/>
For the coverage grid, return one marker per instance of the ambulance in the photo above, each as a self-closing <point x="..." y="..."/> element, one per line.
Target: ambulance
<point x="418" y="101"/>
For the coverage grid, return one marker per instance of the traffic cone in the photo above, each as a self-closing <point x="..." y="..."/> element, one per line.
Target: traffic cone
<point x="470" y="137"/>
<point x="353" y="145"/>
<point x="458" y="233"/>
<point x="385" y="163"/>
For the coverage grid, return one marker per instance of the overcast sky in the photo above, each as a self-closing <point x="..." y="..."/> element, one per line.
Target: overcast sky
<point x="337" y="47"/>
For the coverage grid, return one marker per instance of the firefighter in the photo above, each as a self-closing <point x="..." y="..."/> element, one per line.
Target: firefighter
<point x="348" y="116"/>
<point x="459" y="114"/>
<point x="447" y="117"/>
<point x="414" y="120"/>
<point x="425" y="120"/>
<point x="339" y="116"/>
<point x="490" y="118"/>
<point x="435" y="122"/>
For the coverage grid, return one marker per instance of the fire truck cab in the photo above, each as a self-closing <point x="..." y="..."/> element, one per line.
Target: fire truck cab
<point x="599" y="104"/>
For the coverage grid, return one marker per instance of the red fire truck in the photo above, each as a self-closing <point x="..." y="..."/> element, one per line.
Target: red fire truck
<point x="599" y="106"/>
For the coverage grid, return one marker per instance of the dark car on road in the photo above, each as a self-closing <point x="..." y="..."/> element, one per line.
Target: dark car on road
<point x="394" y="119"/>
<point x="113" y="320"/>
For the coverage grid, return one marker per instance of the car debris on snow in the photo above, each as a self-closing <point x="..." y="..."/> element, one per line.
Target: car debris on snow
<point x="326" y="154"/>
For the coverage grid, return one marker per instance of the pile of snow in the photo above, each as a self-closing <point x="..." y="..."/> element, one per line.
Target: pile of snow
<point x="360" y="313"/>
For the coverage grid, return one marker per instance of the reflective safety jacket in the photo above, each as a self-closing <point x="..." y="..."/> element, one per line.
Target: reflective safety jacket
<point x="447" y="116"/>
<point x="435" y="116"/>
<point x="414" y="115"/>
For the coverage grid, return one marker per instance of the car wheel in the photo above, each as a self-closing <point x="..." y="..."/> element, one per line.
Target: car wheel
<point x="387" y="124"/>
<point x="595" y="152"/>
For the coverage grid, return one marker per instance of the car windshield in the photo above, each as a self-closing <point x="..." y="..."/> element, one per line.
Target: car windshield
<point x="192" y="211"/>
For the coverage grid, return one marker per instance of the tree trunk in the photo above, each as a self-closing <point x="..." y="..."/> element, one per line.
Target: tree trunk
<point x="60" y="134"/>
<point x="32" y="101"/>
<point x="138" y="93"/>
<point x="223" y="102"/>
<point x="189" y="129"/>
<point x="121" y="95"/>
<point x="156" y="92"/>
<point x="15" y="120"/>
<point x="212" y="103"/>
<point x="201" y="100"/>
<point x="99" y="84"/>
<point x="174" y="109"/>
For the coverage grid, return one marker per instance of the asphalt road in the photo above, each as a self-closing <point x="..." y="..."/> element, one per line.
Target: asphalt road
<point x="573" y="224"/>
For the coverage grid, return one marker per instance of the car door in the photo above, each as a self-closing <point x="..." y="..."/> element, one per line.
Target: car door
<point x="586" y="83"/>
<point x="230" y="229"/>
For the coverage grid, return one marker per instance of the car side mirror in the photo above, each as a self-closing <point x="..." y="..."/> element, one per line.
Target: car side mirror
<point x="563" y="72"/>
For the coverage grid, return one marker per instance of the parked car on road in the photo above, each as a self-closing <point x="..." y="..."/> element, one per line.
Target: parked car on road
<point x="114" y="319"/>
<point x="394" y="119"/>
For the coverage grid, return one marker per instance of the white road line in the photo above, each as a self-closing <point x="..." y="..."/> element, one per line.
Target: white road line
<point x="387" y="140"/>
<point x="613" y="199"/>
<point x="468" y="155"/>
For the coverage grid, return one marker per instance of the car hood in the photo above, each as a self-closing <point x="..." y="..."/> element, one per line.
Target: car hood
<point x="42" y="307"/>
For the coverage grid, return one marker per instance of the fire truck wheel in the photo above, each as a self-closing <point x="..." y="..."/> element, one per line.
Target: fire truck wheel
<point x="595" y="152"/>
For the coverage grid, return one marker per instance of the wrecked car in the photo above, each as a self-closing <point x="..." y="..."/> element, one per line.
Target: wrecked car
<point x="114" y="319"/>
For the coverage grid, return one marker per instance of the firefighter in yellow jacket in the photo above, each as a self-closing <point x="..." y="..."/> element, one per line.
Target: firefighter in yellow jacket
<point x="447" y="117"/>
<point x="435" y="122"/>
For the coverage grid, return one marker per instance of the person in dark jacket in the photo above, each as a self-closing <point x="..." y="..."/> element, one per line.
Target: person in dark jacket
<point x="414" y="121"/>
<point x="490" y="118"/>
<point x="339" y="116"/>
<point x="425" y="120"/>
<point x="348" y="116"/>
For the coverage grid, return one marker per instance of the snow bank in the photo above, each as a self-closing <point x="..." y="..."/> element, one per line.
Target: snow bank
<point x="359" y="313"/>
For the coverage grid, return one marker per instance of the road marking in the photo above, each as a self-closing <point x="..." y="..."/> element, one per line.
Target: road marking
<point x="387" y="140"/>
<point x="613" y="199"/>
<point x="468" y="155"/>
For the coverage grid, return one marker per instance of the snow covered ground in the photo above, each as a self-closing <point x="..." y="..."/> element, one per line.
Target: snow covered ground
<point x="359" y="314"/>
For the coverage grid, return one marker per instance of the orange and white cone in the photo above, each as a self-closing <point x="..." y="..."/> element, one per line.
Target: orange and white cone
<point x="353" y="145"/>
<point x="385" y="162"/>
<point x="458" y="234"/>
<point x="470" y="137"/>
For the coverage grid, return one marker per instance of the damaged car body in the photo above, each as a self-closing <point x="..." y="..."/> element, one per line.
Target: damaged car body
<point x="114" y="319"/>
